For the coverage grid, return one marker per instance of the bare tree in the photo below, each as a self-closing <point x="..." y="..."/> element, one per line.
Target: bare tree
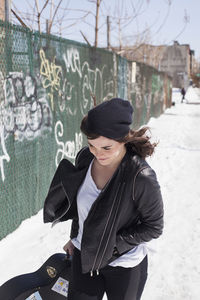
<point x="39" y="12"/>
<point x="124" y="14"/>
<point x="98" y="2"/>
<point x="47" y="15"/>
<point x="99" y="17"/>
<point x="186" y="20"/>
<point x="61" y="19"/>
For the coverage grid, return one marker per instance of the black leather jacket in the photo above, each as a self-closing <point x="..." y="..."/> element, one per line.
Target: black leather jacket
<point x="127" y="212"/>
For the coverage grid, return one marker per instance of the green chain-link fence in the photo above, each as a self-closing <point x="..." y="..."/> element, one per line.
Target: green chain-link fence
<point x="47" y="84"/>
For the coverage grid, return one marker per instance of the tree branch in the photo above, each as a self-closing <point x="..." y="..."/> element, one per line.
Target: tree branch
<point x="18" y="18"/>
<point x="55" y="12"/>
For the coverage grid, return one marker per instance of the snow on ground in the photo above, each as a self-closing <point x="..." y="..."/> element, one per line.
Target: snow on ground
<point x="192" y="95"/>
<point x="174" y="270"/>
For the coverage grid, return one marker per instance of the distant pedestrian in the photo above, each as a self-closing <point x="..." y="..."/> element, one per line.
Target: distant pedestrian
<point x="183" y="94"/>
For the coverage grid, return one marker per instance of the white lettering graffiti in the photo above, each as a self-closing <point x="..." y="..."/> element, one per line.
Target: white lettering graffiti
<point x="22" y="113"/>
<point x="72" y="61"/>
<point x="4" y="155"/>
<point x="67" y="149"/>
<point x="97" y="82"/>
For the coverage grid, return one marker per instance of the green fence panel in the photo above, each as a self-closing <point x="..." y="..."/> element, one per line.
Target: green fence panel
<point x="148" y="92"/>
<point x="122" y="75"/>
<point x="47" y="85"/>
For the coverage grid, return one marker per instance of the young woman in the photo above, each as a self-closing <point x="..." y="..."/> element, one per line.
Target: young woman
<point x="113" y="197"/>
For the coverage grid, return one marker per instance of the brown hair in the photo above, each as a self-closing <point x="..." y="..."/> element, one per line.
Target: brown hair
<point x="137" y="141"/>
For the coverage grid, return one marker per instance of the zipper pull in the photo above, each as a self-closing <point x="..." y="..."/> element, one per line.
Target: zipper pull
<point x="92" y="273"/>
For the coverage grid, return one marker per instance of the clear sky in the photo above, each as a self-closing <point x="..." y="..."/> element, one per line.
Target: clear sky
<point x="162" y="20"/>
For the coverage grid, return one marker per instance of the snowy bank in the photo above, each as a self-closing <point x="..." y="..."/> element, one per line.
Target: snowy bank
<point x="192" y="95"/>
<point x="174" y="271"/>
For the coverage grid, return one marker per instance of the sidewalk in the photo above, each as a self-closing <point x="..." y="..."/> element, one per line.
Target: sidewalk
<point x="174" y="270"/>
<point x="192" y="95"/>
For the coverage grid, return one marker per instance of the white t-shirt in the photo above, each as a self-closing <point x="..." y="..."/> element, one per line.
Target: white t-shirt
<point x="87" y="194"/>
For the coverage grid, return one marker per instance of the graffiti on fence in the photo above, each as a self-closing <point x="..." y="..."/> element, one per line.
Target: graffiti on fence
<point x="146" y="90"/>
<point x="122" y="78"/>
<point x="23" y="113"/>
<point x="51" y="75"/>
<point x="3" y="153"/>
<point x="157" y="88"/>
<point x="67" y="94"/>
<point x="75" y="86"/>
<point x="98" y="82"/>
<point x="67" y="149"/>
<point x="147" y="101"/>
<point x="136" y="88"/>
<point x="76" y="91"/>
<point x="72" y="61"/>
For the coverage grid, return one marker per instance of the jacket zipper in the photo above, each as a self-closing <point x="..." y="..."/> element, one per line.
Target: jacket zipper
<point x="57" y="220"/>
<point x="110" y="229"/>
<point x="97" y="271"/>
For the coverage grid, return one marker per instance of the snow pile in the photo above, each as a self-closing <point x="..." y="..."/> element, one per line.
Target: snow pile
<point x="192" y="95"/>
<point x="176" y="95"/>
<point x="174" y="271"/>
<point x="197" y="90"/>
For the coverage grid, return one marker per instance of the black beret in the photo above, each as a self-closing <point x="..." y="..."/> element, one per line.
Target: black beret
<point x="110" y="119"/>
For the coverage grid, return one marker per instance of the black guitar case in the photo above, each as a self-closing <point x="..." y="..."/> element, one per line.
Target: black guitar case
<point x="49" y="282"/>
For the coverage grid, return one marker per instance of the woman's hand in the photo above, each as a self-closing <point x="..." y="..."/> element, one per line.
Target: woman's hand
<point x="69" y="248"/>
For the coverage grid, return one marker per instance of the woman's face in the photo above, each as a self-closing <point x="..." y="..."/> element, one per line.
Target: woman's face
<point x="106" y="151"/>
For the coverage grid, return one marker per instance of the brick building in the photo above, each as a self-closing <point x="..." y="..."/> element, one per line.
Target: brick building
<point x="176" y="60"/>
<point x="2" y="10"/>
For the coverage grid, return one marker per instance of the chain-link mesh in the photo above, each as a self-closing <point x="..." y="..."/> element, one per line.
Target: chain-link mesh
<point x="47" y="85"/>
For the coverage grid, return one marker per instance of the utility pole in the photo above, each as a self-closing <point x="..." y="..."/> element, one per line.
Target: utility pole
<point x="8" y="10"/>
<point x="47" y="26"/>
<point x="108" y="32"/>
<point x="97" y="21"/>
<point x="120" y="37"/>
<point x="8" y="37"/>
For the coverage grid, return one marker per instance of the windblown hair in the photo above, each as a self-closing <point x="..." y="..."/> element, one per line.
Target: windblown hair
<point x="137" y="141"/>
